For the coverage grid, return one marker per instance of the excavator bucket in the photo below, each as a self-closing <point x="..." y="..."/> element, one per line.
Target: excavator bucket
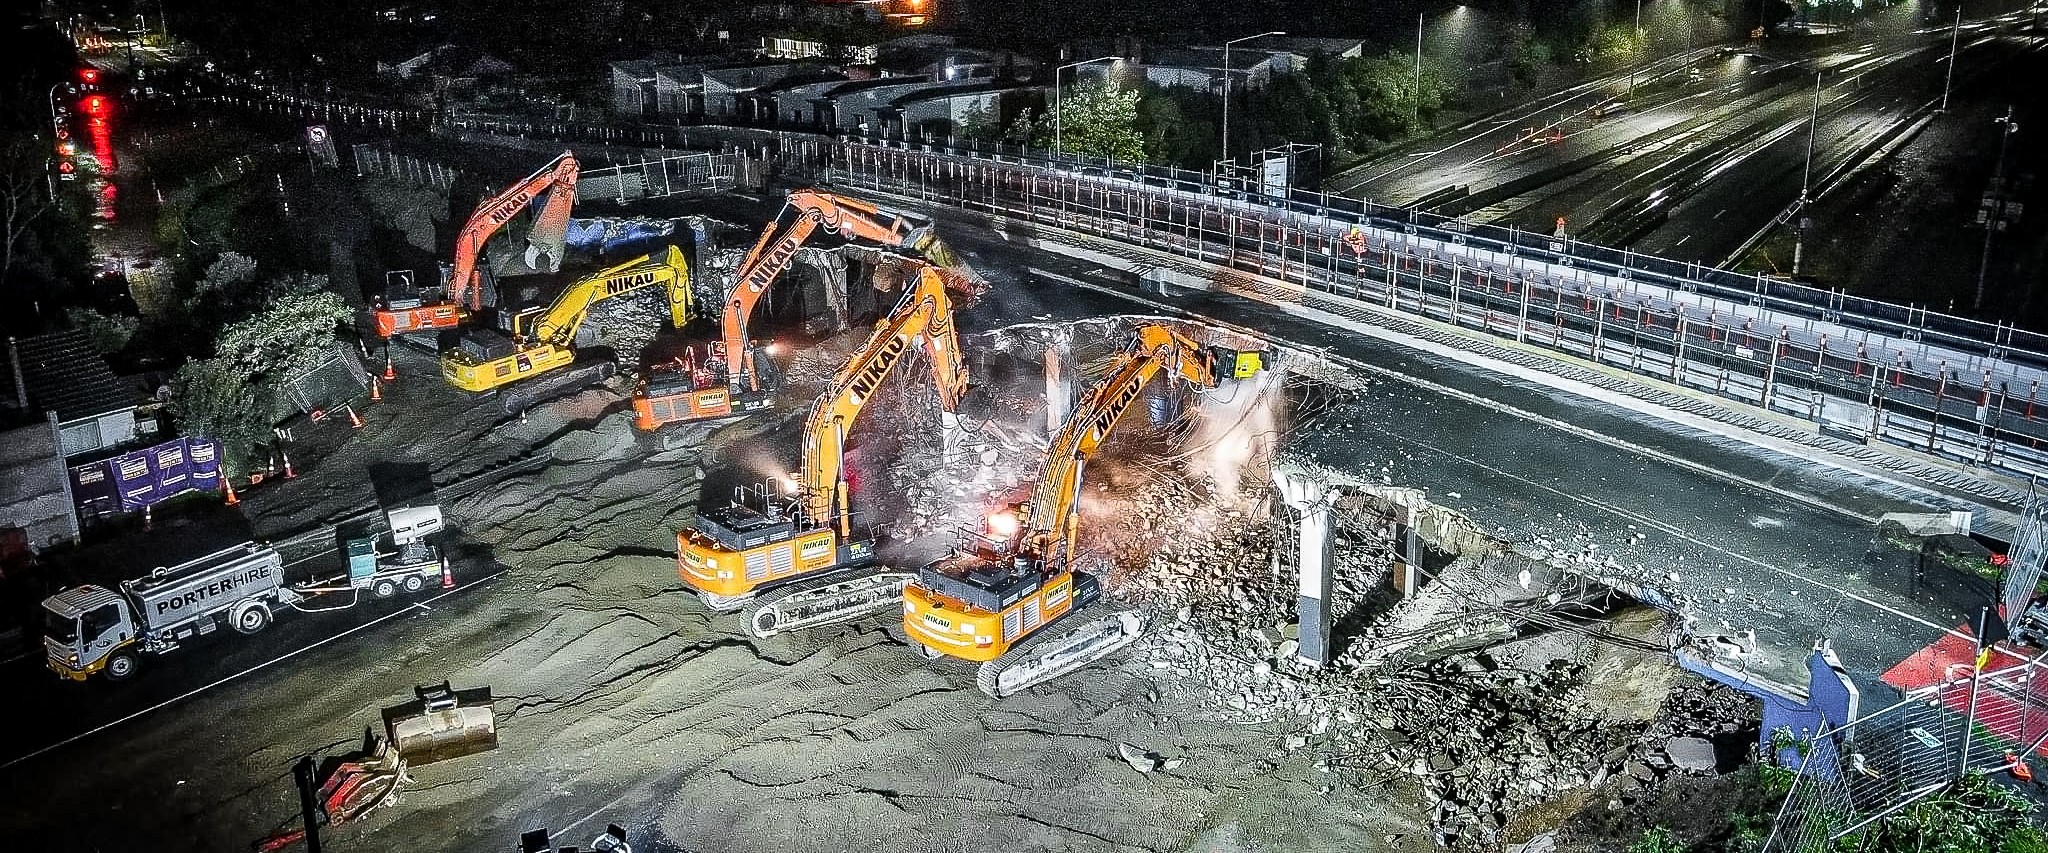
<point x="442" y="723"/>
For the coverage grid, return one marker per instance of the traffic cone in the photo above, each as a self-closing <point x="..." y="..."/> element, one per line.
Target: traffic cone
<point x="148" y="517"/>
<point x="229" y="489"/>
<point x="390" y="368"/>
<point x="317" y="415"/>
<point x="289" y="474"/>
<point x="355" y="421"/>
<point x="447" y="576"/>
<point x="376" y="395"/>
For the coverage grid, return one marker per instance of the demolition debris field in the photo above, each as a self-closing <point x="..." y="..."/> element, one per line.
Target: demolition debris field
<point x="1481" y="714"/>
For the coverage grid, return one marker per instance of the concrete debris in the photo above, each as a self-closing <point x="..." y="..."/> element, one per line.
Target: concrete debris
<point x="1690" y="753"/>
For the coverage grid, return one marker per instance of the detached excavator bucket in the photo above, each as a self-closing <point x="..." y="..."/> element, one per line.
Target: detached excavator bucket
<point x="442" y="723"/>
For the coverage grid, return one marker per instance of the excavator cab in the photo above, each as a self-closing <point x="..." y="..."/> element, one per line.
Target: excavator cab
<point x="1236" y="364"/>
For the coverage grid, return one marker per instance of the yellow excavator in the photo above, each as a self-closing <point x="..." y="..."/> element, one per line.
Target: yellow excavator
<point x="735" y="375"/>
<point x="538" y="360"/>
<point x="1009" y="580"/>
<point x="798" y="538"/>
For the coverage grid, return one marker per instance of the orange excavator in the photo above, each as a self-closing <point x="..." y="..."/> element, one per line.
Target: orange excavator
<point x="555" y="183"/>
<point x="1008" y="581"/>
<point x="806" y="549"/>
<point x="736" y="375"/>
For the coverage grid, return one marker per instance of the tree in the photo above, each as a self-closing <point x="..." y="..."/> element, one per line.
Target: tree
<point x="234" y="397"/>
<point x="1095" y="119"/>
<point x="109" y="333"/>
<point x="23" y="198"/>
<point x="981" y="123"/>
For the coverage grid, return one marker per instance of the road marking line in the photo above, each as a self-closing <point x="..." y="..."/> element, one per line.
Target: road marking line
<point x="198" y="690"/>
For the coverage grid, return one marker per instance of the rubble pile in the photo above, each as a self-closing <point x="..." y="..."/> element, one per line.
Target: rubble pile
<point x="627" y="324"/>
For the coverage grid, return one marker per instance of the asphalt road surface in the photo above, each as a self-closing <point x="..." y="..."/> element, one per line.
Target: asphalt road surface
<point x="1710" y="147"/>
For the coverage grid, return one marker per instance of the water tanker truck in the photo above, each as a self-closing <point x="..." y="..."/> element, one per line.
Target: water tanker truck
<point x="90" y="628"/>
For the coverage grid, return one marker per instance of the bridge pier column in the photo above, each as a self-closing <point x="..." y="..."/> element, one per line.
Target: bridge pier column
<point x="1310" y="499"/>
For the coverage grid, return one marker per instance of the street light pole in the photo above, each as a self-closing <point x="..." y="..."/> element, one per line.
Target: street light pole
<point x="1226" y="85"/>
<point x="1954" y="33"/>
<point x="1056" y="96"/>
<point x="1636" y="38"/>
<point x="1805" y="179"/>
<point x="1415" y="114"/>
<point x="1997" y="213"/>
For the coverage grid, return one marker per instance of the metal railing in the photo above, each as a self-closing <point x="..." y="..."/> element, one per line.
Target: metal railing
<point x="1863" y="370"/>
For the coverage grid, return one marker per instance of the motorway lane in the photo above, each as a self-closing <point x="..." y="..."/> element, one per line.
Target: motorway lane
<point x="1711" y="212"/>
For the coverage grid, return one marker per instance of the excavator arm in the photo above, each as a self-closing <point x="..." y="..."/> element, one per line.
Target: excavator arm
<point x="924" y="314"/>
<point x="557" y="181"/>
<point x="802" y="215"/>
<point x="1052" y="521"/>
<point x="558" y="326"/>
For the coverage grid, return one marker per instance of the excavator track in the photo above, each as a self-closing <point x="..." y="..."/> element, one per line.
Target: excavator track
<point x="828" y="601"/>
<point x="1047" y="656"/>
<point x="725" y="603"/>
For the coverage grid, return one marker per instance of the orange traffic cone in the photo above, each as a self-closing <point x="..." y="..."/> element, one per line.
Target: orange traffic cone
<point x="317" y="415"/>
<point x="447" y="576"/>
<point x="289" y="474"/>
<point x="355" y="421"/>
<point x="228" y="489"/>
<point x="390" y="369"/>
<point x="376" y="395"/>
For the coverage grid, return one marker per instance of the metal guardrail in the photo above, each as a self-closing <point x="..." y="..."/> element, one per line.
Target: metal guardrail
<point x="1915" y="380"/>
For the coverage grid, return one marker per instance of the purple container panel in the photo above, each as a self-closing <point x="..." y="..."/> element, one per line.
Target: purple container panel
<point x="171" y="462"/>
<point x="203" y="455"/>
<point x="93" y="489"/>
<point x="135" y="479"/>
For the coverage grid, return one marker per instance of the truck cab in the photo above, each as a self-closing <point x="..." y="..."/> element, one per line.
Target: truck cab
<point x="88" y="629"/>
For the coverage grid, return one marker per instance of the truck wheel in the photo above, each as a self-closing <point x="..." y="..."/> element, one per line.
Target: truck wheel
<point x="413" y="583"/>
<point x="384" y="588"/>
<point x="121" y="666"/>
<point x="252" y="619"/>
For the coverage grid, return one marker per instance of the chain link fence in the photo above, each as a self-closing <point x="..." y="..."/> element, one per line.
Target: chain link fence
<point x="1852" y="777"/>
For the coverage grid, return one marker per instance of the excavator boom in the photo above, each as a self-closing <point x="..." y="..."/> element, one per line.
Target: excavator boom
<point x="487" y="360"/>
<point x="556" y="182"/>
<point x="924" y="315"/>
<point x="802" y="215"/>
<point x="732" y="553"/>
<point x="989" y="603"/>
<point x="740" y="379"/>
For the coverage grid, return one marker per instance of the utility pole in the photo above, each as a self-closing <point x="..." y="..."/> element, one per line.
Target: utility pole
<point x="1226" y="85"/>
<point x="1415" y="117"/>
<point x="1996" y="215"/>
<point x="1806" y="179"/>
<point x="1056" y="139"/>
<point x="1953" y="33"/>
<point x="1636" y="38"/>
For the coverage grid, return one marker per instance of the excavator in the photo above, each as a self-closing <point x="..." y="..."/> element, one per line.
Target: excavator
<point x="1002" y="585"/>
<point x="735" y="375"/>
<point x="555" y="183"/>
<point x="532" y="359"/>
<point x="806" y="549"/>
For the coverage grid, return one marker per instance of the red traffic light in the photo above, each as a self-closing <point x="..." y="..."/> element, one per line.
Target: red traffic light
<point x="89" y="75"/>
<point x="96" y="105"/>
<point x="65" y="167"/>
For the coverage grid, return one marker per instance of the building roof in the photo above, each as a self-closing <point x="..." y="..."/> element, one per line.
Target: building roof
<point x="63" y="373"/>
<point x="1211" y="58"/>
<point x="939" y="91"/>
<point x="1311" y="44"/>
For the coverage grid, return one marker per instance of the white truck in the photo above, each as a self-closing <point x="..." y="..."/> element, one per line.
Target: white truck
<point x="90" y="628"/>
